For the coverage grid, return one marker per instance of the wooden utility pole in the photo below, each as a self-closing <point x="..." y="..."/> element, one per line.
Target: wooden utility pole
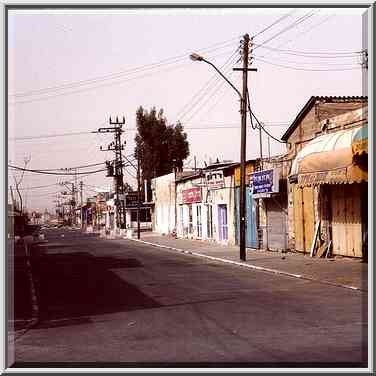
<point x="243" y="143"/>
<point x="242" y="227"/>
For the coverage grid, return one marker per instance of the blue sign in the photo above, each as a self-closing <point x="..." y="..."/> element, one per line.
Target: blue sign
<point x="262" y="182"/>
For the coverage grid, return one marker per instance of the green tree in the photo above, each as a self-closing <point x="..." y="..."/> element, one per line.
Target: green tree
<point x="159" y="146"/>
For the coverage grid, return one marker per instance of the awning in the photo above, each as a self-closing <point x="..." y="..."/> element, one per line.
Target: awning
<point x="359" y="143"/>
<point x="328" y="159"/>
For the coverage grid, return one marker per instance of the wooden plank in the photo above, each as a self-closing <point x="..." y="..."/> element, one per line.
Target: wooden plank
<point x="334" y="221"/>
<point x="314" y="241"/>
<point x="354" y="221"/>
<point x="298" y="223"/>
<point x="309" y="216"/>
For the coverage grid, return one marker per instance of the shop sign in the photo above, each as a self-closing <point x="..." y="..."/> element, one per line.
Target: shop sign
<point x="324" y="177"/>
<point x="266" y="181"/>
<point x="131" y="200"/>
<point x="214" y="179"/>
<point x="191" y="195"/>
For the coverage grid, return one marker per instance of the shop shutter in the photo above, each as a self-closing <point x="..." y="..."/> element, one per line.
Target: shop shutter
<point x="276" y="221"/>
<point x="304" y="219"/>
<point x="346" y="220"/>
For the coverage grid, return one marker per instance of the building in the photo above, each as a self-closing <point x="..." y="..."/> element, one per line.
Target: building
<point x="204" y="204"/>
<point x="164" y="207"/>
<point x="327" y="188"/>
<point x="269" y="189"/>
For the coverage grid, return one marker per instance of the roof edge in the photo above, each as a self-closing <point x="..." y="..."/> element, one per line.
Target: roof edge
<point x="310" y="104"/>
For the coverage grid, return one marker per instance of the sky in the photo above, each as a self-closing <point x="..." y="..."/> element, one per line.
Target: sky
<point x="70" y="70"/>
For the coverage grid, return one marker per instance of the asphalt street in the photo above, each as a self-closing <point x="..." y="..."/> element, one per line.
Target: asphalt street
<point x="121" y="303"/>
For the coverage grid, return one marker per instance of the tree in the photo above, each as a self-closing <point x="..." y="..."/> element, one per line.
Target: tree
<point x="18" y="181"/>
<point x="160" y="147"/>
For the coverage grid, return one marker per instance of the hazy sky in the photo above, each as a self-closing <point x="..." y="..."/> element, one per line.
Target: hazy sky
<point x="70" y="70"/>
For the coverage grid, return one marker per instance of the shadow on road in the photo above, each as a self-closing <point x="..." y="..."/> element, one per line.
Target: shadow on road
<point x="77" y="284"/>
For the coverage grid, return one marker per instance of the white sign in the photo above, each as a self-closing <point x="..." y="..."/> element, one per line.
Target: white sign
<point x="214" y="179"/>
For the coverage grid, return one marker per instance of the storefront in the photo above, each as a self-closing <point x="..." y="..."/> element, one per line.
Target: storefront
<point x="268" y="187"/>
<point x="206" y="206"/>
<point x="329" y="185"/>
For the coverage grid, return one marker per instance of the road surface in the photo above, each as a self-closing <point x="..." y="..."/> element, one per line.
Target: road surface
<point x="120" y="303"/>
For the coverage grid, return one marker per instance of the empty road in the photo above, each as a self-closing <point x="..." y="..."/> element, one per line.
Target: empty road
<point x="121" y="303"/>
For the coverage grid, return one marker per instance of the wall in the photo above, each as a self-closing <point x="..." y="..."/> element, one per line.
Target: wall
<point x="322" y="118"/>
<point x="212" y="197"/>
<point x="164" y="204"/>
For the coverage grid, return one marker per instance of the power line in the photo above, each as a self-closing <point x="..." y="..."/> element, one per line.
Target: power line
<point x="73" y="84"/>
<point x="306" y="69"/>
<point x="312" y="54"/>
<point x="291" y="26"/>
<point x="109" y="84"/>
<point x="55" y="173"/>
<point x="47" y="136"/>
<point x="205" y="88"/>
<point x="260" y="126"/>
<point x="274" y="23"/>
<point x="218" y="84"/>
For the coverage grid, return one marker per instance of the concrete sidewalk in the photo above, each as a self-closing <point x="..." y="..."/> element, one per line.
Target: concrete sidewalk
<point x="344" y="272"/>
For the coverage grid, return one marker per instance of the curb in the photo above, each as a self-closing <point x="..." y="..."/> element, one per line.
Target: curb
<point x="250" y="266"/>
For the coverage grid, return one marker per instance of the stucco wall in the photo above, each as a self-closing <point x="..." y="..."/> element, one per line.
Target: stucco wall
<point x="164" y="204"/>
<point x="213" y="197"/>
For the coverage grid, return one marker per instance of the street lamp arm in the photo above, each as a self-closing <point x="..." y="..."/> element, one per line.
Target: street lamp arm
<point x="223" y="76"/>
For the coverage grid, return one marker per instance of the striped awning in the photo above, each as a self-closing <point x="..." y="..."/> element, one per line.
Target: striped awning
<point x="328" y="159"/>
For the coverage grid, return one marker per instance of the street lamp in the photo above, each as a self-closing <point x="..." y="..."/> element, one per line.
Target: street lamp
<point x="243" y="112"/>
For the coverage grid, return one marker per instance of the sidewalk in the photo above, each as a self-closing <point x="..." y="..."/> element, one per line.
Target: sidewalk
<point x="344" y="272"/>
<point x="22" y="310"/>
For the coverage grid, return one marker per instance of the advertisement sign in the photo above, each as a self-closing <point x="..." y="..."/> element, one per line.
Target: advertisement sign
<point x="191" y="195"/>
<point x="131" y="200"/>
<point x="266" y="181"/>
<point x="214" y="179"/>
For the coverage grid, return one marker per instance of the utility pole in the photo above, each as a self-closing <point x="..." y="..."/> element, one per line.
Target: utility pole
<point x="138" y="197"/>
<point x="116" y="168"/>
<point x="243" y="144"/>
<point x="81" y="204"/>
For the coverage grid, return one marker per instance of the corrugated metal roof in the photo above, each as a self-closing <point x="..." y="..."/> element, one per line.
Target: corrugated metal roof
<point x="311" y="102"/>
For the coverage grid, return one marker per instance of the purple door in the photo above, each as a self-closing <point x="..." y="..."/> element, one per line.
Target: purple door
<point x="222" y="222"/>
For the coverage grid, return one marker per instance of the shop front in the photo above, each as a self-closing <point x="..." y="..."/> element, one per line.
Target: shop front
<point x="329" y="184"/>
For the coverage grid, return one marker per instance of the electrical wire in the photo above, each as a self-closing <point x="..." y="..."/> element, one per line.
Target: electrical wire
<point x="219" y="83"/>
<point x="260" y="126"/>
<point x="297" y="22"/>
<point x="302" y="33"/>
<point x="274" y="23"/>
<point x="54" y="173"/>
<point x="213" y="47"/>
<point x="189" y="106"/>
<point x="307" y="69"/>
<point x="312" y="54"/>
